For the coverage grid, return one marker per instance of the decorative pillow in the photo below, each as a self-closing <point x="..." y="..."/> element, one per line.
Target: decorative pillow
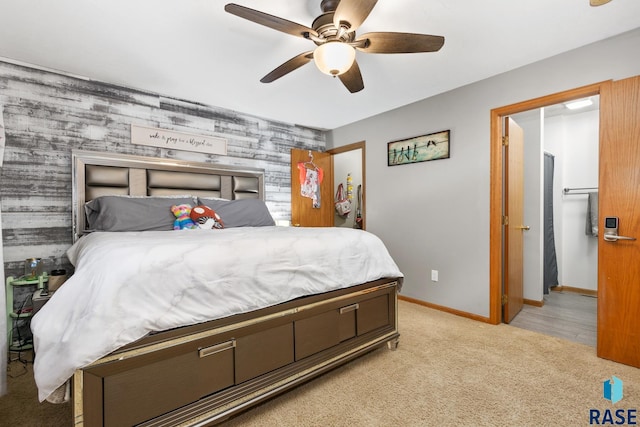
<point x="241" y="212"/>
<point x="133" y="213"/>
<point x="183" y="218"/>
<point x="205" y="217"/>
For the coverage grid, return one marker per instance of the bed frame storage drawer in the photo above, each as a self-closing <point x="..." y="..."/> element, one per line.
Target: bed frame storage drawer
<point x="373" y="314"/>
<point x="143" y="392"/>
<point x="325" y="330"/>
<point x="316" y="333"/>
<point x="275" y="347"/>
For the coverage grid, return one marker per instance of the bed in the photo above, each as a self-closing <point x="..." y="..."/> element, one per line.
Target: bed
<point x="162" y="328"/>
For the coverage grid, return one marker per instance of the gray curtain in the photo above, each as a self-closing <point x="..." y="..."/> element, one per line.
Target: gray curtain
<point x="550" y="270"/>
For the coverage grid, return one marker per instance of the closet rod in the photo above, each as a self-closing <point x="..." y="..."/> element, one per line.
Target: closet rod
<point x="568" y="190"/>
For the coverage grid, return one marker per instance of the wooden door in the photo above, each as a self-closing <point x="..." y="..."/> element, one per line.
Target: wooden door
<point x="619" y="196"/>
<point x="304" y="213"/>
<point x="514" y="205"/>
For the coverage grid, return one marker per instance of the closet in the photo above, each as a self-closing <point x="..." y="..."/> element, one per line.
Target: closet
<point x="560" y="206"/>
<point x="561" y="146"/>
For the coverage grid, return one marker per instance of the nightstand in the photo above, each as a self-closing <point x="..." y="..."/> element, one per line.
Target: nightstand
<point x="24" y="313"/>
<point x="39" y="300"/>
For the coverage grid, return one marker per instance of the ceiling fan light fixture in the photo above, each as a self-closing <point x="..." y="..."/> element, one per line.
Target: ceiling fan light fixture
<point x="334" y="58"/>
<point x="334" y="35"/>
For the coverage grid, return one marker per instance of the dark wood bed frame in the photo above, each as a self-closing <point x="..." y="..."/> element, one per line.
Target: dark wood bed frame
<point x="202" y="374"/>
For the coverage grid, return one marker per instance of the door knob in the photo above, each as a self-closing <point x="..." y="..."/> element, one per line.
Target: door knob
<point x="611" y="224"/>
<point x="615" y="237"/>
<point x="524" y="227"/>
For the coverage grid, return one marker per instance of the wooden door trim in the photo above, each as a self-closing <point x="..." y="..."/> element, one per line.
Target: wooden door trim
<point x="348" y="147"/>
<point x="351" y="147"/>
<point x="496" y="184"/>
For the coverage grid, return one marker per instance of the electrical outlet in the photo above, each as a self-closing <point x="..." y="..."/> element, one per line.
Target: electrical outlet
<point x="434" y="275"/>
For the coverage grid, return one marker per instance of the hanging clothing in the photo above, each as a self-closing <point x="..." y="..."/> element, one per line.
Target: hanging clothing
<point x="310" y="180"/>
<point x="591" y="228"/>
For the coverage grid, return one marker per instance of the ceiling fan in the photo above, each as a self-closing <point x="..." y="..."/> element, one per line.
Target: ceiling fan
<point x="333" y="32"/>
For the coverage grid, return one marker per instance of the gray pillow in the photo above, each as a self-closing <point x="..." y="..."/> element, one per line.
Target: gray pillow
<point x="126" y="213"/>
<point x="240" y="213"/>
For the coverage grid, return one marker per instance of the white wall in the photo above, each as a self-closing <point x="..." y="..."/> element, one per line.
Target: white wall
<point x="578" y="135"/>
<point x="435" y="215"/>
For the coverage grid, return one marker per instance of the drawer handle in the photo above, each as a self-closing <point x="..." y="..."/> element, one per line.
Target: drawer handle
<point x="208" y="351"/>
<point x="349" y="308"/>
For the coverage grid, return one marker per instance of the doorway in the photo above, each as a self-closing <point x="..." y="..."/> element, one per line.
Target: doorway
<point x="560" y="195"/>
<point x="496" y="197"/>
<point x="618" y="320"/>
<point x="349" y="160"/>
<point x="561" y="161"/>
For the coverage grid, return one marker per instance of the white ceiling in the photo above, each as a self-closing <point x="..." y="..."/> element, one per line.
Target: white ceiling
<point x="193" y="49"/>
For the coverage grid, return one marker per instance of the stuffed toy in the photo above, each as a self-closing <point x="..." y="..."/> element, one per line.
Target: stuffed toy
<point x="206" y="217"/>
<point x="183" y="220"/>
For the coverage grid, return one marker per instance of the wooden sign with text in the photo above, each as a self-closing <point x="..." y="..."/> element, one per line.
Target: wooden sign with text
<point x="163" y="138"/>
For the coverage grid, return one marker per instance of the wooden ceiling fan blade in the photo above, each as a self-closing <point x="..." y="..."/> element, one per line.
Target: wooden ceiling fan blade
<point x="353" y="12"/>
<point x="289" y="66"/>
<point x="387" y="42"/>
<point x="352" y="79"/>
<point x="598" y="2"/>
<point x="270" y="21"/>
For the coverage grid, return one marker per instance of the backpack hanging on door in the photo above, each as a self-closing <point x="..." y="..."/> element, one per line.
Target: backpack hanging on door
<point x="342" y="204"/>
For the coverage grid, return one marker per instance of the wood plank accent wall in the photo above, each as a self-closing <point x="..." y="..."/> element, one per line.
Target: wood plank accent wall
<point x="46" y="115"/>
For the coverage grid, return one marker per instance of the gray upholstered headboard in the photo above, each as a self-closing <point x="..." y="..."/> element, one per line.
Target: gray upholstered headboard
<point x="99" y="174"/>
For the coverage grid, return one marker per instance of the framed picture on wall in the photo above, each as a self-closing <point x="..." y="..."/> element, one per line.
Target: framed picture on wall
<point x="433" y="146"/>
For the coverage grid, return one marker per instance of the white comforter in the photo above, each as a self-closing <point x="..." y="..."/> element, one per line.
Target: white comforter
<point x="129" y="284"/>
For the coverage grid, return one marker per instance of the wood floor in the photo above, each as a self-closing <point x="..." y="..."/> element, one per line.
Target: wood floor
<point x="565" y="315"/>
